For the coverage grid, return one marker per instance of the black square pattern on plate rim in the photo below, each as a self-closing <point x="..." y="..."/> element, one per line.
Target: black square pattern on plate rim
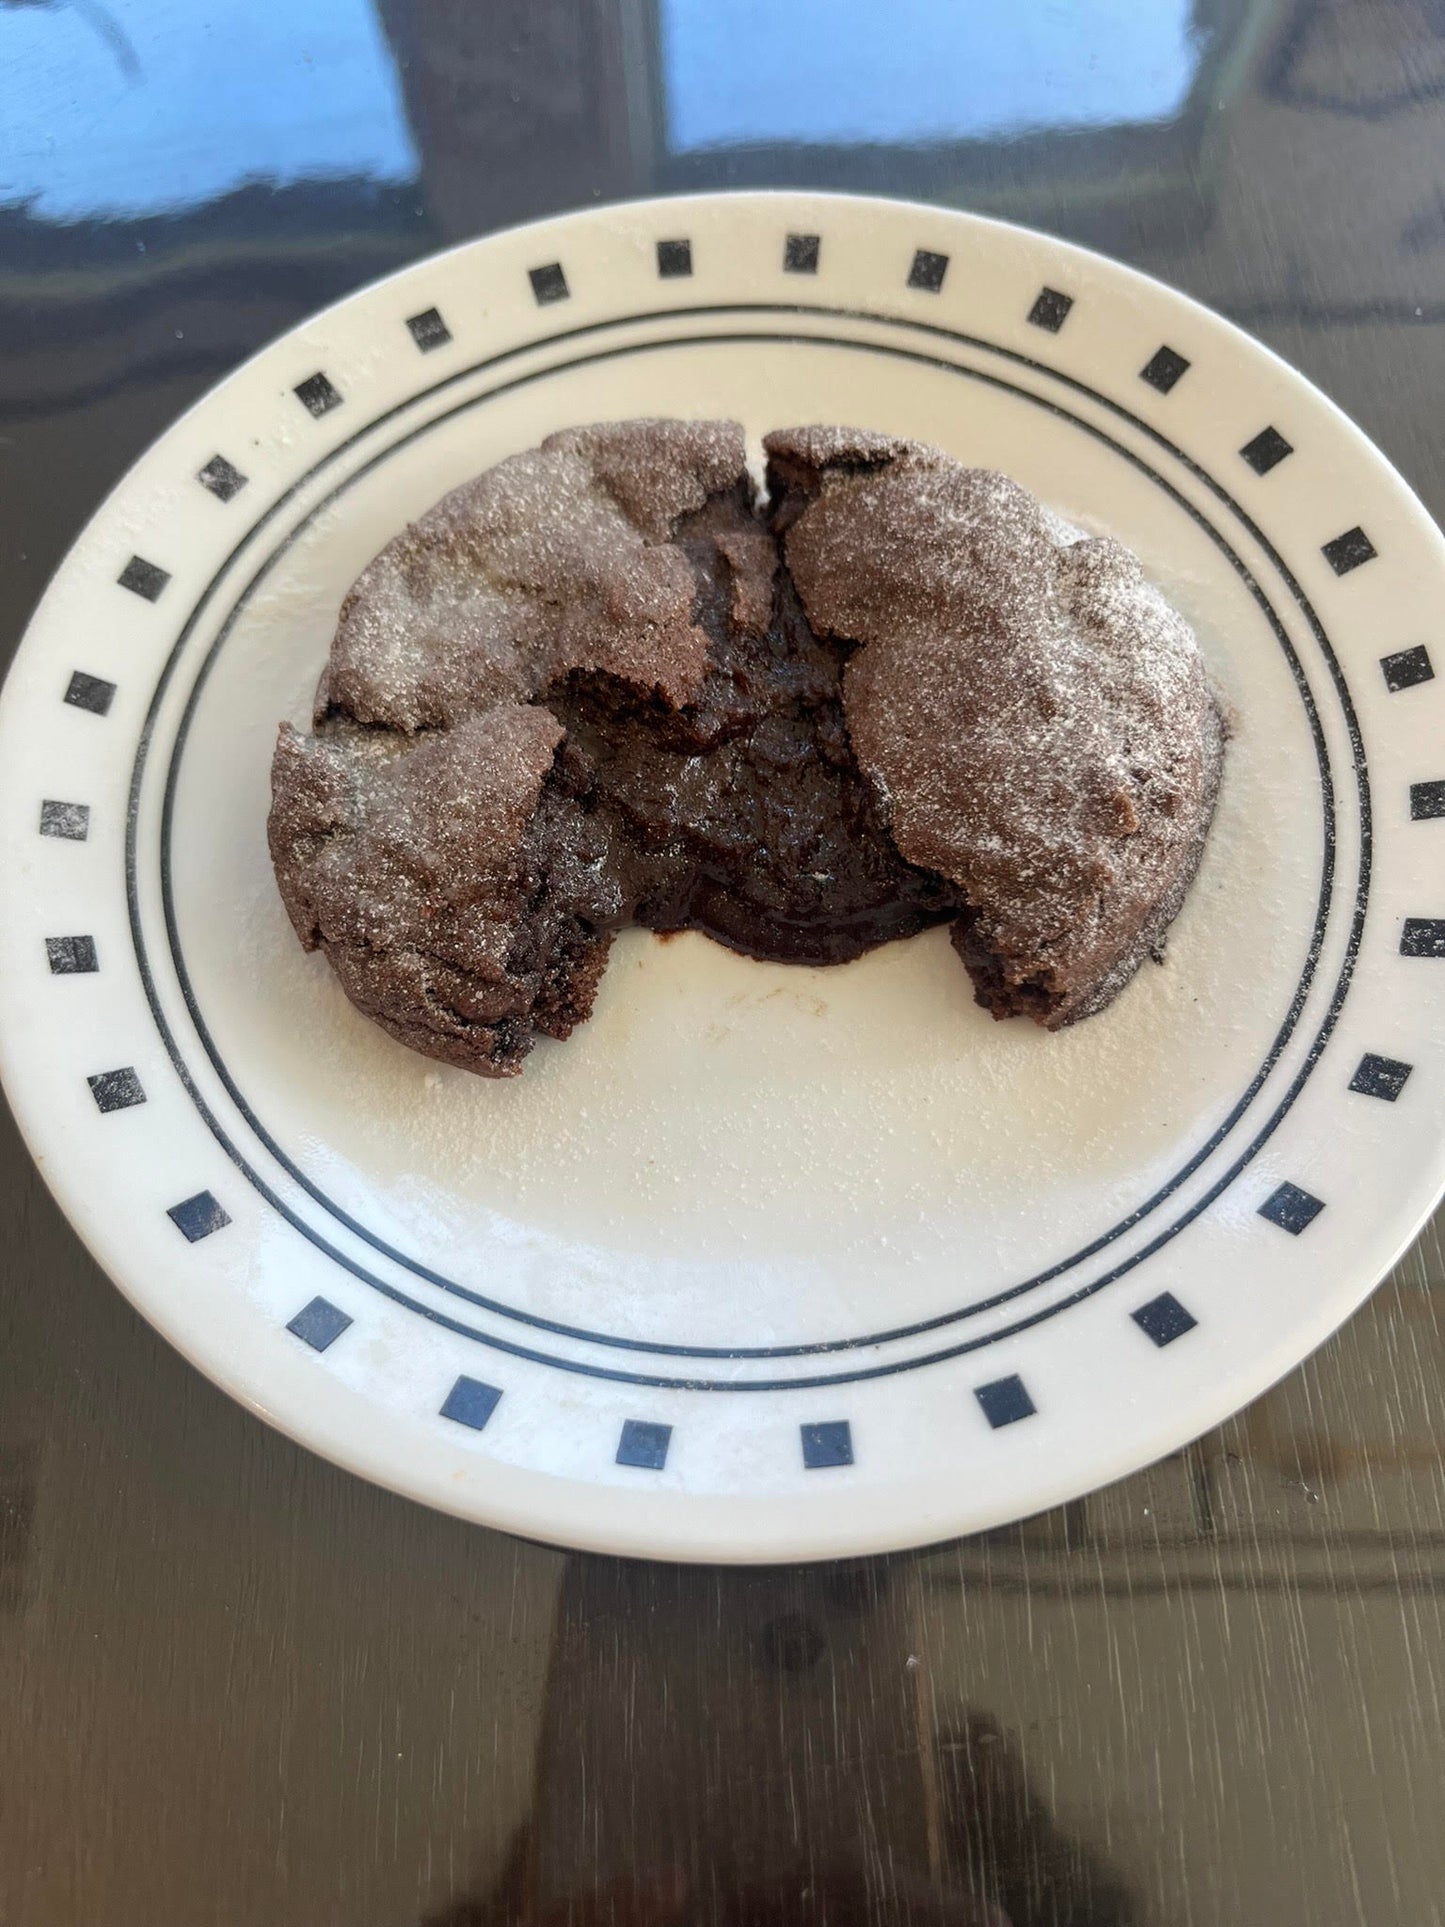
<point x="1164" y="368"/>
<point x="71" y="956"/>
<point x="69" y="821"/>
<point x="142" y="578"/>
<point x="1423" y="937"/>
<point x="116" y="1090"/>
<point x="224" y="480"/>
<point x="1292" y="1208"/>
<point x="549" y="283"/>
<point x="1164" y="1319"/>
<point x="471" y="1402"/>
<point x="1407" y="668"/>
<point x="800" y="253"/>
<point x="319" y="1324"/>
<point x="826" y="1442"/>
<point x="428" y="330"/>
<point x="317" y="394"/>
<point x="198" y="1216"/>
<point x="1349" y="551"/>
<point x="1005" y="1401"/>
<point x="1383" y="1077"/>
<point x="643" y="1443"/>
<point x="92" y="693"/>
<point x="1051" y="309"/>
<point x="928" y="270"/>
<point x="1266" y="450"/>
<point x="674" y="258"/>
<point x="1427" y="800"/>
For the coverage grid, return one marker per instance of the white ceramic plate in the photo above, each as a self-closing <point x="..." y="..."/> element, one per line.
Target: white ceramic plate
<point x="766" y="1263"/>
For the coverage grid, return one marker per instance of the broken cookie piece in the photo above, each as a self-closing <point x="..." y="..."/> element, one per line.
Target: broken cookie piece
<point x="1036" y="714"/>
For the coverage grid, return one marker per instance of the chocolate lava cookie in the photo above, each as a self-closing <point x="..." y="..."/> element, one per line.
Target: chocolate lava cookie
<point x="596" y="687"/>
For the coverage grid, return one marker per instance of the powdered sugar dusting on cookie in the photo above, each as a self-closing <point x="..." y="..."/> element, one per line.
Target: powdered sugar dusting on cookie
<point x="556" y="559"/>
<point x="1035" y="714"/>
<point x="473" y="820"/>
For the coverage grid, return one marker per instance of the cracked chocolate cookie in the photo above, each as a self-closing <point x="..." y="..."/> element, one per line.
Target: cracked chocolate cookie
<point x="603" y="685"/>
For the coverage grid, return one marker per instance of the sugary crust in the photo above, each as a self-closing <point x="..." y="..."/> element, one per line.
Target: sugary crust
<point x="562" y="699"/>
<point x="1035" y="716"/>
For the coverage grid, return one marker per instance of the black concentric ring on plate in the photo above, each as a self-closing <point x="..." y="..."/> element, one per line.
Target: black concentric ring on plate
<point x="837" y="1345"/>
